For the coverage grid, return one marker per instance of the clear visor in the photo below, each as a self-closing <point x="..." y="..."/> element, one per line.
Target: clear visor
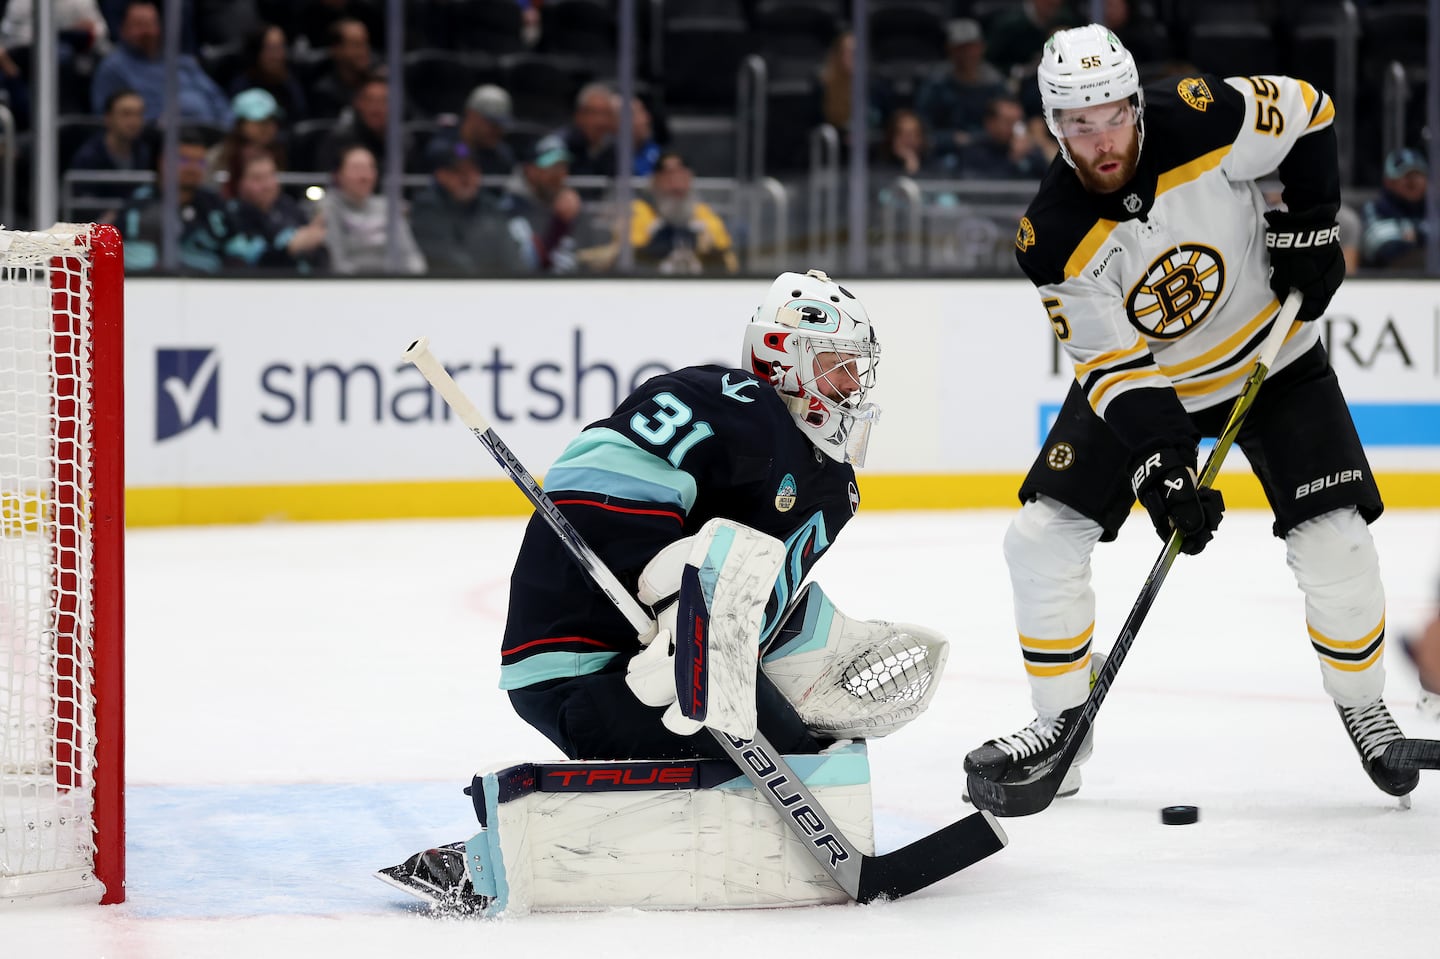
<point x="1081" y="123"/>
<point x="857" y="425"/>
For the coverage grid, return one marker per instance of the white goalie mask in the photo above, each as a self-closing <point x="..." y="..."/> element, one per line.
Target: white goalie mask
<point x="1085" y="67"/>
<point x="813" y="341"/>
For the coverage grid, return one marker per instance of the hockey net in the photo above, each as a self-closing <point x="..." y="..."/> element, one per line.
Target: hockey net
<point x="61" y="566"/>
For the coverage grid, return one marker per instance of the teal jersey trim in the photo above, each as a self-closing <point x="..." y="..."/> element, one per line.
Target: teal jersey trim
<point x="606" y="462"/>
<point x="543" y="666"/>
<point x="814" y="631"/>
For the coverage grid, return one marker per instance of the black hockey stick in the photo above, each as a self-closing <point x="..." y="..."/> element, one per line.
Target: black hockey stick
<point x="1404" y="754"/>
<point x="1038" y="791"/>
<point x="863" y="878"/>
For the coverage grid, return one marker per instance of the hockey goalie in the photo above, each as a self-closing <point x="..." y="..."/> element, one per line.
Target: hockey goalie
<point x="710" y="493"/>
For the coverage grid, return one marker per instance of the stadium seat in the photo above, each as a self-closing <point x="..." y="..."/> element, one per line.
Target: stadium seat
<point x="1234" y="49"/>
<point x="906" y="34"/>
<point x="793" y="37"/>
<point x="701" y="62"/>
<point x="584" y="27"/>
<point x="490" y="26"/>
<point x="437" y="81"/>
<point x="707" y="143"/>
<point x="543" y="87"/>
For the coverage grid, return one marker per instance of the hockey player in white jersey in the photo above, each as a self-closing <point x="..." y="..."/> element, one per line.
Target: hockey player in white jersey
<point x="1160" y="269"/>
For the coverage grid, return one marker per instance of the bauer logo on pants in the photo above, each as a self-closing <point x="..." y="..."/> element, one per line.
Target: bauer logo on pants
<point x="187" y="390"/>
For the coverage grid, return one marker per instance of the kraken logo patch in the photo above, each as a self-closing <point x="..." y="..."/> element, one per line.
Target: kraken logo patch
<point x="854" y="499"/>
<point x="1025" y="236"/>
<point x="785" y="495"/>
<point x="1177" y="292"/>
<point x="1194" y="92"/>
<point x="1060" y="457"/>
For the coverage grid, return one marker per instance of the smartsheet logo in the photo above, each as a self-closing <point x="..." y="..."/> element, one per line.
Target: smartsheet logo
<point x="187" y="390"/>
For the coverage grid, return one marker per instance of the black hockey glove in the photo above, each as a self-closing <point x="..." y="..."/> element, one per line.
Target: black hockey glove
<point x="1165" y="485"/>
<point x="1305" y="254"/>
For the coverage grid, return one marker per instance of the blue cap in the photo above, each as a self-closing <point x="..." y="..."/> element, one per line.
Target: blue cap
<point x="1403" y="161"/>
<point x="255" y="104"/>
<point x="445" y="151"/>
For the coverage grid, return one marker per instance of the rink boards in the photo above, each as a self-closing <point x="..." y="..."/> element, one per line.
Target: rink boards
<point x="287" y="399"/>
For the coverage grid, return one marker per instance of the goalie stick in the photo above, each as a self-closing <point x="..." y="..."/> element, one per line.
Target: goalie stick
<point x="863" y="878"/>
<point x="1031" y="795"/>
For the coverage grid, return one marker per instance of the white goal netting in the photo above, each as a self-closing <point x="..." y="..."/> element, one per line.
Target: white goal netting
<point x="48" y="730"/>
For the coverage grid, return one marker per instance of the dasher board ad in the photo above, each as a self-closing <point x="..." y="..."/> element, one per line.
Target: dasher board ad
<point x="233" y="383"/>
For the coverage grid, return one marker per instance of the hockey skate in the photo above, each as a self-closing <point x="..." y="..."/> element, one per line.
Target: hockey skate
<point x="1021" y="755"/>
<point x="439" y="877"/>
<point x="1371" y="729"/>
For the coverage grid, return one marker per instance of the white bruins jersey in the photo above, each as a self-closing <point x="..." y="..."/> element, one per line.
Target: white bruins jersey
<point x="1163" y="284"/>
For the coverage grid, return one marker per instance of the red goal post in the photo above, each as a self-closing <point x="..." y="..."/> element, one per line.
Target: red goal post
<point x="62" y="582"/>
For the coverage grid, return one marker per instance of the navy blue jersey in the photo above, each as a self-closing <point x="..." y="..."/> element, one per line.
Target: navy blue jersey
<point x="684" y="448"/>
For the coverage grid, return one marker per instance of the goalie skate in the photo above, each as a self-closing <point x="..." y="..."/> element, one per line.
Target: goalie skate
<point x="438" y="877"/>
<point x="1371" y="729"/>
<point x="1023" y="755"/>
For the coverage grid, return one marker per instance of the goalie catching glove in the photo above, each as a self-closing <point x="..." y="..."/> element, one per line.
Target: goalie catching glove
<point x="711" y="590"/>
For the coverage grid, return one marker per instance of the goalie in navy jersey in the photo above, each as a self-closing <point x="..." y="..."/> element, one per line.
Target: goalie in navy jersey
<point x="1160" y="269"/>
<point x="741" y="478"/>
<point x="772" y="445"/>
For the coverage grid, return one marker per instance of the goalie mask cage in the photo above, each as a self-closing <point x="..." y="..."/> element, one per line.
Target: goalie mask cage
<point x="62" y="760"/>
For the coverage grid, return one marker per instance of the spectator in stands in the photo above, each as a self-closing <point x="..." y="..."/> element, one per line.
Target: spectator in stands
<point x="906" y="148"/>
<point x="81" y="25"/>
<point x="951" y="102"/>
<point x="1395" y="227"/>
<point x="549" y="206"/>
<point x="83" y="37"/>
<point x="834" y="93"/>
<point x="352" y="62"/>
<point x="316" y="19"/>
<point x="119" y="147"/>
<point x="1145" y="39"/>
<point x="203" y="221"/>
<point x="642" y="132"/>
<point x="590" y="136"/>
<point x="488" y="114"/>
<point x="256" y="129"/>
<point x="267" y="67"/>
<point x="463" y="230"/>
<point x="138" y="63"/>
<point x="357" y="222"/>
<point x="1018" y="34"/>
<point x="365" y="124"/>
<point x="1004" y="150"/>
<point x="673" y="231"/>
<point x="268" y="228"/>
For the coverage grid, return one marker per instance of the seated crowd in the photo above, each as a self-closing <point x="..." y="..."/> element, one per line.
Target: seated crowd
<point x="284" y="141"/>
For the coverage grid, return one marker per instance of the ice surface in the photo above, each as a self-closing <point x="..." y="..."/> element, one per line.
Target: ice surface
<point x="305" y="703"/>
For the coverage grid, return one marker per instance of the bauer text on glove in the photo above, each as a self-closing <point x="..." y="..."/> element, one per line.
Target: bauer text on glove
<point x="1305" y="255"/>
<point x="1164" y="483"/>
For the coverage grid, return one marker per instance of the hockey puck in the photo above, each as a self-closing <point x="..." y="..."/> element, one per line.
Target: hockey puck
<point x="1180" y="815"/>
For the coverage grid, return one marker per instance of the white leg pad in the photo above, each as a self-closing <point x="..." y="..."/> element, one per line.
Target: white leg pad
<point x="601" y="835"/>
<point x="1336" y="566"/>
<point x="1047" y="548"/>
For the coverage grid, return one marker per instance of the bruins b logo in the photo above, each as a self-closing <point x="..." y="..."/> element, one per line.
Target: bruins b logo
<point x="1194" y="91"/>
<point x="1177" y="292"/>
<point x="1025" y="236"/>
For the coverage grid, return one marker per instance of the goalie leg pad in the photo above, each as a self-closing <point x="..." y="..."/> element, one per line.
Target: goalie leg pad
<point x="658" y="835"/>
